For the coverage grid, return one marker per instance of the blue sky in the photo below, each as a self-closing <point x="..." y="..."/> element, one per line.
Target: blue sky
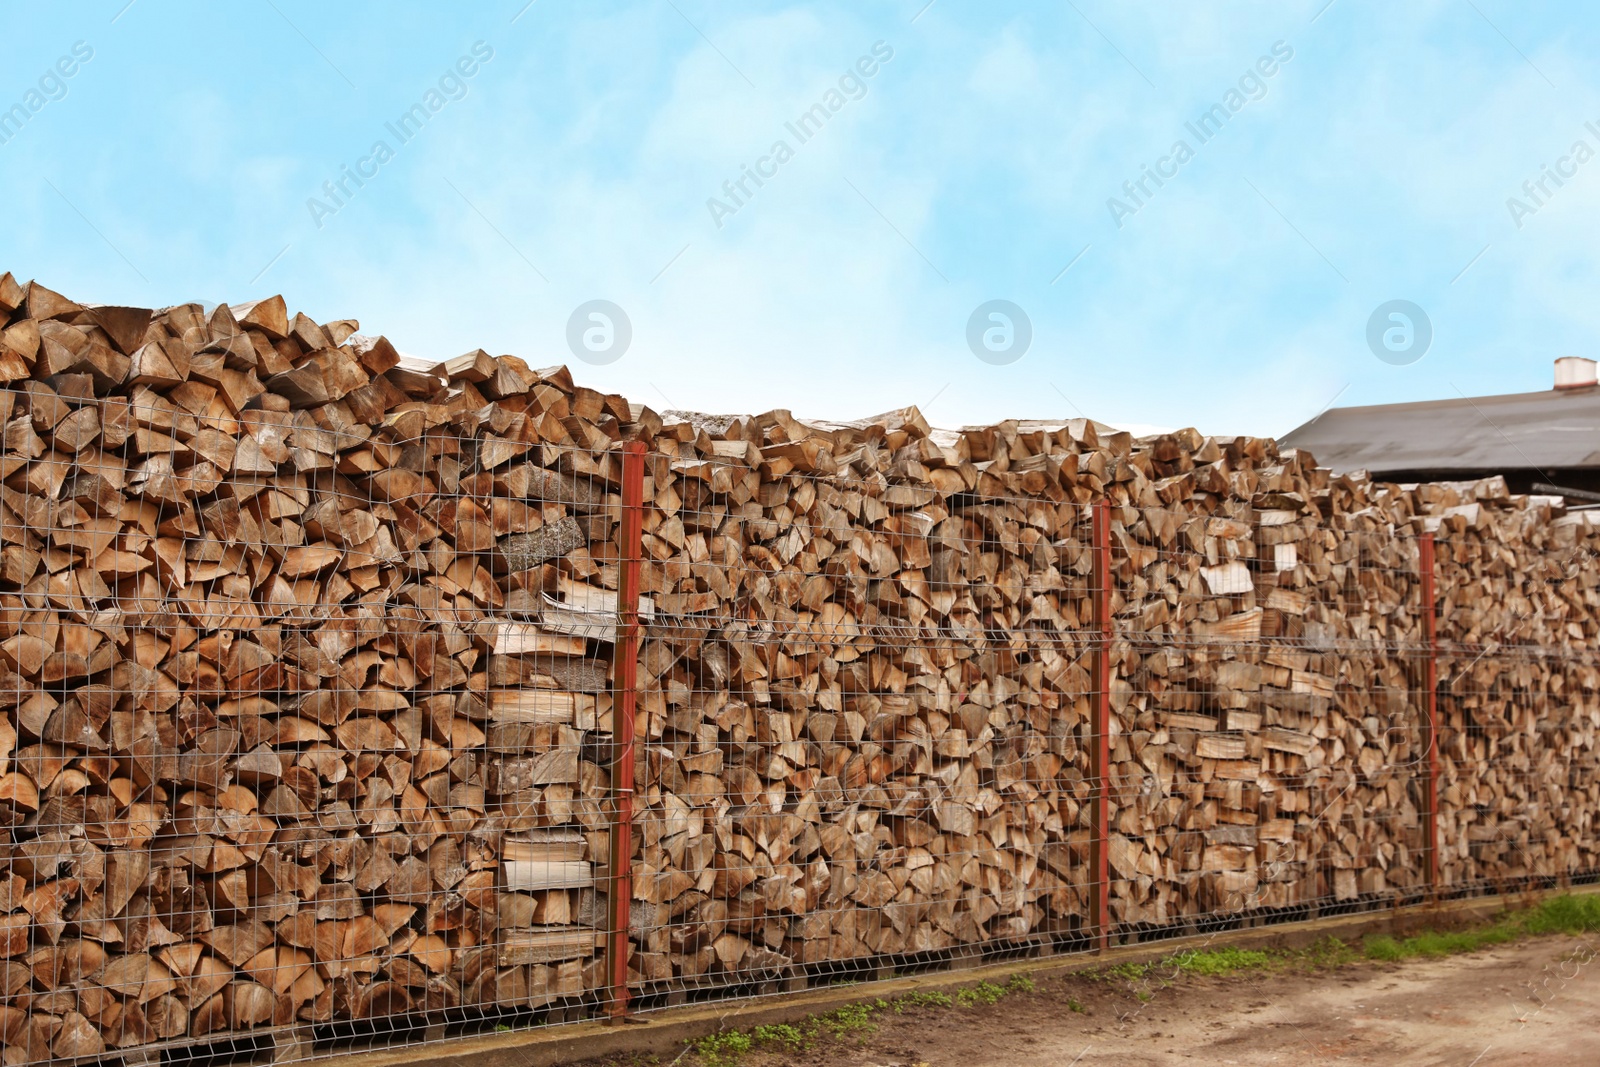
<point x="186" y="157"/>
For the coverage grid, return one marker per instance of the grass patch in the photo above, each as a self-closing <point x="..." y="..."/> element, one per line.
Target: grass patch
<point x="850" y="1019"/>
<point x="921" y="999"/>
<point x="850" y="1022"/>
<point x="1125" y="972"/>
<point x="726" y="1048"/>
<point x="982" y="993"/>
<point x="1565" y="914"/>
<point x="1324" y="954"/>
<point x="781" y="1035"/>
<point x="722" y="1049"/>
<point x="1208" y="962"/>
<point x="1435" y="943"/>
<point x="1218" y="961"/>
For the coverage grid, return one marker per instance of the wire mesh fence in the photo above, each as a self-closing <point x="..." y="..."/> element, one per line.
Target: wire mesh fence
<point x="346" y="702"/>
<point x="308" y="736"/>
<point x="888" y="748"/>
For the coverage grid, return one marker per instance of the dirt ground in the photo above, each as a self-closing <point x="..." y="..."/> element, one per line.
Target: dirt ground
<point x="1533" y="1002"/>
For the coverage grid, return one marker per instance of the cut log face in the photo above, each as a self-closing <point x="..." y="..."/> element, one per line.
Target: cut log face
<point x="308" y="660"/>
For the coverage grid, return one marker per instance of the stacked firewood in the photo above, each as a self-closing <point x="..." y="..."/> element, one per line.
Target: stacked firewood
<point x="1519" y="709"/>
<point x="868" y="694"/>
<point x="293" y="642"/>
<point x="1267" y="698"/>
<point x="306" y="661"/>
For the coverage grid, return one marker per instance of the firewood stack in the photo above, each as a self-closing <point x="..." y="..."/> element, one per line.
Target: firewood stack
<point x="277" y="687"/>
<point x="869" y="723"/>
<point x="1266" y="694"/>
<point x="306" y="658"/>
<point x="1520" y="775"/>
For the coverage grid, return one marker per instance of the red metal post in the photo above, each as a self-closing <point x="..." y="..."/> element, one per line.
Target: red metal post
<point x="1099" y="726"/>
<point x="1430" y="704"/>
<point x="624" y="702"/>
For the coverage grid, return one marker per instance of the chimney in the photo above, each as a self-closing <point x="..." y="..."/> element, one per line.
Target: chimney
<point x="1574" y="372"/>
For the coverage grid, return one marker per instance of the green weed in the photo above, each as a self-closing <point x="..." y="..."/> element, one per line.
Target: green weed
<point x="982" y="993"/>
<point x="1435" y="943"/>
<point x="722" y="1049"/>
<point x="1127" y="972"/>
<point x="1020" y="983"/>
<point x="850" y="1019"/>
<point x="781" y="1034"/>
<point x="1328" y="952"/>
<point x="922" y="999"/>
<point x="1565" y="915"/>
<point x="1217" y="961"/>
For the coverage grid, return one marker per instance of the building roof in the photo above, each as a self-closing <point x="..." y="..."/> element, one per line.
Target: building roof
<point x="1555" y="429"/>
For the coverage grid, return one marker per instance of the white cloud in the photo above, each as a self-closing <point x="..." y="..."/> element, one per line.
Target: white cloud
<point x="990" y="143"/>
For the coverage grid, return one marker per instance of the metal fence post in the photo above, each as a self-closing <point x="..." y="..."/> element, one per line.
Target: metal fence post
<point x="1099" y="725"/>
<point x="624" y="700"/>
<point x="1430" y="704"/>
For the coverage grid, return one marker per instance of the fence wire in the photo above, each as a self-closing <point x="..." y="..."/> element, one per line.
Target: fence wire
<point x="312" y="703"/>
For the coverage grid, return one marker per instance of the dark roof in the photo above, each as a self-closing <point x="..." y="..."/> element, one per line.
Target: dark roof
<point x="1555" y="429"/>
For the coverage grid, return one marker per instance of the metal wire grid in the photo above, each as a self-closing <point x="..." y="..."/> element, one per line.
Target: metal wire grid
<point x="307" y="724"/>
<point x="883" y="748"/>
<point x="320" y="737"/>
<point x="1519" y="674"/>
